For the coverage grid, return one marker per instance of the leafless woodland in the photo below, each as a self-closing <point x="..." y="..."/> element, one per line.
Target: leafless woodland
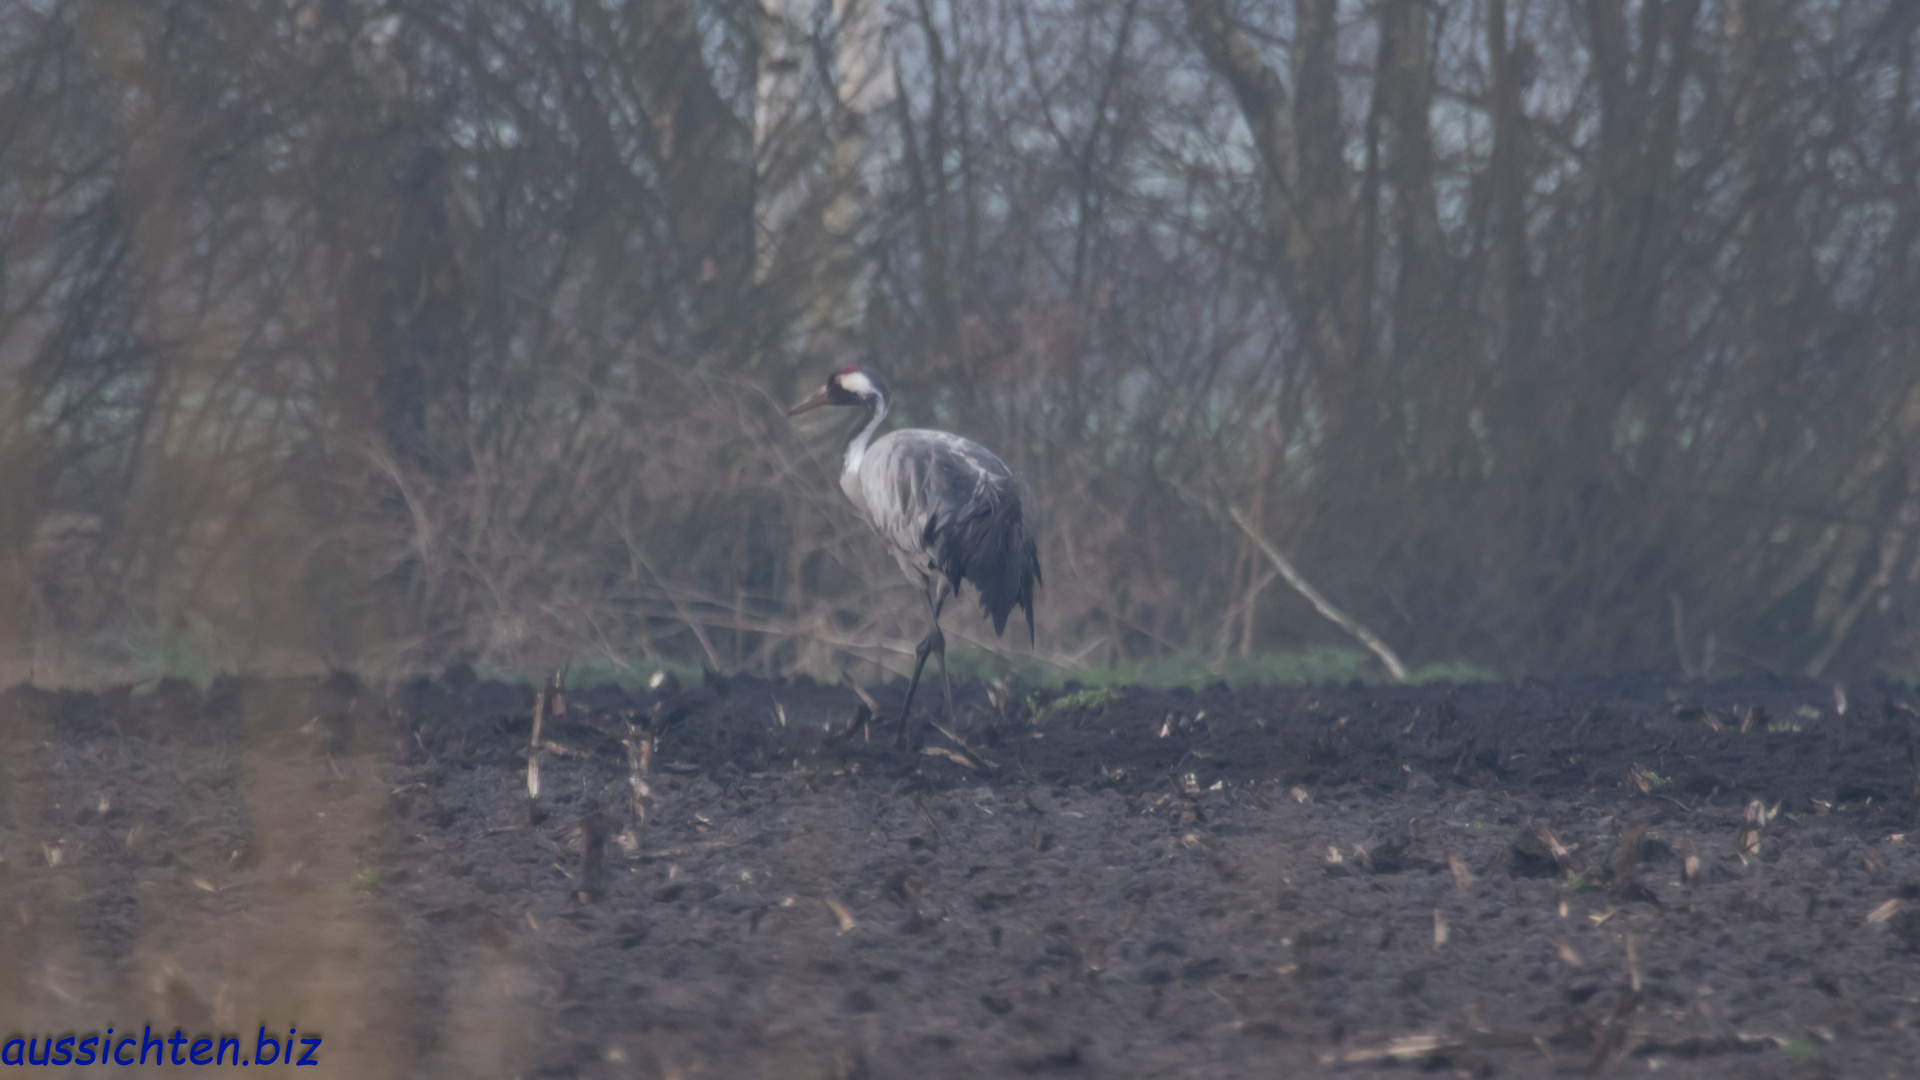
<point x="1548" y="335"/>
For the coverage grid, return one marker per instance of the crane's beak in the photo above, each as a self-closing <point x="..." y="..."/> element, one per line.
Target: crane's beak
<point x="818" y="399"/>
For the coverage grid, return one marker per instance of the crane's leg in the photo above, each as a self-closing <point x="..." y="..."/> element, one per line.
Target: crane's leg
<point x="934" y="642"/>
<point x="940" y="650"/>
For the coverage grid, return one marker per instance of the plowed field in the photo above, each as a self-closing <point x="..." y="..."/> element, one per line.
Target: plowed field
<point x="740" y="879"/>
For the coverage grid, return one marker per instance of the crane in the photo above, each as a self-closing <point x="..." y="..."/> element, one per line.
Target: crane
<point x="948" y="509"/>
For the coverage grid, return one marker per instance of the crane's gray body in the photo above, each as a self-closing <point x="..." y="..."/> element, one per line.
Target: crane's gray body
<point x="949" y="510"/>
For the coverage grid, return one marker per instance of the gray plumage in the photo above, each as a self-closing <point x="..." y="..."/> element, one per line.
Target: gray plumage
<point x="948" y="509"/>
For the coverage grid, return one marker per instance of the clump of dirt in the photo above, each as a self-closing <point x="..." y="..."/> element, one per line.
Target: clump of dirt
<point x="749" y="878"/>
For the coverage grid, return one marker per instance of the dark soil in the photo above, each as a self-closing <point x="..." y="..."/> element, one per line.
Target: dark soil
<point x="1542" y="879"/>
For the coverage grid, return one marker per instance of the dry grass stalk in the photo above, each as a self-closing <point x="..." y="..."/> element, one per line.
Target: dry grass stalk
<point x="840" y="913"/>
<point x="1462" y="877"/>
<point x="639" y="759"/>
<point x="847" y="679"/>
<point x="1756" y="817"/>
<point x="1560" y="851"/>
<point x="861" y="721"/>
<point x="983" y="762"/>
<point x="533" y="747"/>
<point x="1637" y="779"/>
<point x="552" y="697"/>
<point x="952" y="755"/>
<point x="1403" y="1048"/>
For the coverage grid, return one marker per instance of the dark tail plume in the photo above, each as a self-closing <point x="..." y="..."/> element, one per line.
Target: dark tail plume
<point x="992" y="548"/>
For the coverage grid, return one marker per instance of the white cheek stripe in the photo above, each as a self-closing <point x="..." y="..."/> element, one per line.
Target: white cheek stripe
<point x="856" y="383"/>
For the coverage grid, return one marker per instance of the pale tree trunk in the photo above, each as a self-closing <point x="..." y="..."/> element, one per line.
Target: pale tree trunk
<point x="812" y="244"/>
<point x="863" y="88"/>
<point x="809" y="256"/>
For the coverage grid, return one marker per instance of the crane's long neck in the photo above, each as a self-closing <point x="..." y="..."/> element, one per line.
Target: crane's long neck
<point x="876" y="411"/>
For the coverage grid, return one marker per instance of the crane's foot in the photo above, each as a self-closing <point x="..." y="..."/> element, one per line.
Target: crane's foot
<point x="910" y="737"/>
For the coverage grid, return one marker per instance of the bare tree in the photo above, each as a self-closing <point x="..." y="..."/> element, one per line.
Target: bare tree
<point x="1548" y="336"/>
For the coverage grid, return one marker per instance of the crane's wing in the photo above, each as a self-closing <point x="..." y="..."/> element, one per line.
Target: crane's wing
<point x="952" y="507"/>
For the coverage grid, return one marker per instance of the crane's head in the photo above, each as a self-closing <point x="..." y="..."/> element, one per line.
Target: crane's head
<point x="848" y="385"/>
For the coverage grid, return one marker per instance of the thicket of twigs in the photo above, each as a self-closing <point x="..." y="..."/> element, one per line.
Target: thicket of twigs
<point x="1544" y="334"/>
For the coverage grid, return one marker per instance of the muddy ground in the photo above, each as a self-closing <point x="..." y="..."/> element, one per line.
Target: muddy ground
<point x="1538" y="879"/>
